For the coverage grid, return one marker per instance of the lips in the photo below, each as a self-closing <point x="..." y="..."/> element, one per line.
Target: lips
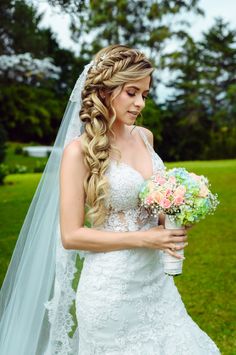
<point x="134" y="113"/>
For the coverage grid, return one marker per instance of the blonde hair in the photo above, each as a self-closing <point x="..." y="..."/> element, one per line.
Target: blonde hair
<point x="114" y="66"/>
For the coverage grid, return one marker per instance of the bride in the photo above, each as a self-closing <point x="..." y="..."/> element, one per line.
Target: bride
<point x="87" y="205"/>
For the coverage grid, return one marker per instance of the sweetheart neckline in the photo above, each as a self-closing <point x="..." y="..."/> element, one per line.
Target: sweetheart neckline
<point x="132" y="168"/>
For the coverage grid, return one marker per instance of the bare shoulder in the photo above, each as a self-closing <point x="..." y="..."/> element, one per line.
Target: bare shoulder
<point x="73" y="156"/>
<point x="148" y="134"/>
<point x="73" y="149"/>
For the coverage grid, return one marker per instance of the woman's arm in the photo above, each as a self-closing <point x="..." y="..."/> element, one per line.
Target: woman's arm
<point x="72" y="200"/>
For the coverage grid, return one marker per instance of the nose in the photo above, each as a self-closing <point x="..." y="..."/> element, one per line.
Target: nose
<point x="139" y="101"/>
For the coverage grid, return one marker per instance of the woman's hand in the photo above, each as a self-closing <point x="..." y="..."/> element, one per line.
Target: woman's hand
<point x="165" y="239"/>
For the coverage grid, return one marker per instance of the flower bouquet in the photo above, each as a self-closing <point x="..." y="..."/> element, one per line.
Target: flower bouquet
<point x="184" y="198"/>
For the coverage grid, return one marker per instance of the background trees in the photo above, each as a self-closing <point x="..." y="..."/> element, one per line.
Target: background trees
<point x="199" y="119"/>
<point x="196" y="121"/>
<point x="36" y="75"/>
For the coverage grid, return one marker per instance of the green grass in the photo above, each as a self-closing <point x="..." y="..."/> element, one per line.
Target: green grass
<point x="12" y="159"/>
<point x="207" y="285"/>
<point x="15" y="198"/>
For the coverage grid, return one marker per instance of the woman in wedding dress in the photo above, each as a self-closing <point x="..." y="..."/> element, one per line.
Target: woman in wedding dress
<point x="125" y="304"/>
<point x="87" y="205"/>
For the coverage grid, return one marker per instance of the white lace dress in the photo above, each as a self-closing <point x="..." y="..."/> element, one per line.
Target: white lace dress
<point x="125" y="304"/>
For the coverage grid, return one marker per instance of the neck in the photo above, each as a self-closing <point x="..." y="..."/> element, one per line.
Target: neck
<point x="121" y="130"/>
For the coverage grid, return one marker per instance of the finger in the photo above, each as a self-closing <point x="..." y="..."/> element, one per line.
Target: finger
<point x="180" y="246"/>
<point x="179" y="231"/>
<point x="176" y="255"/>
<point x="179" y="239"/>
<point x="177" y="246"/>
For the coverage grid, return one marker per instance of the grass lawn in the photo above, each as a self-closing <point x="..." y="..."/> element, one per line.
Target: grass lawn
<point x="12" y="159"/>
<point x="207" y="285"/>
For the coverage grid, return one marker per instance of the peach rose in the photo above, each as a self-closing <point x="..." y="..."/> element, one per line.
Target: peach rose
<point x="157" y="196"/>
<point x="204" y="191"/>
<point x="180" y="191"/>
<point x="165" y="203"/>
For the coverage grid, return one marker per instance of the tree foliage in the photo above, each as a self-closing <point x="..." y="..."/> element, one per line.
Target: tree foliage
<point x="19" y="32"/>
<point x="200" y="118"/>
<point x="24" y="118"/>
<point x="36" y="75"/>
<point x="197" y="121"/>
<point x="142" y="24"/>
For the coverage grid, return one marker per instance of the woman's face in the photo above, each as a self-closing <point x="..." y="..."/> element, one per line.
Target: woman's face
<point x="130" y="102"/>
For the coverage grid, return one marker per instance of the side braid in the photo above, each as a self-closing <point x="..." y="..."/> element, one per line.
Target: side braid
<point x="114" y="66"/>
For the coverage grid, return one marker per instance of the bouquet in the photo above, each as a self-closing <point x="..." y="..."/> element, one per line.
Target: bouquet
<point x="183" y="197"/>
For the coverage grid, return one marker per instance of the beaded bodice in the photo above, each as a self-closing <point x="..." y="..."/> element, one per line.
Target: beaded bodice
<point x="125" y="212"/>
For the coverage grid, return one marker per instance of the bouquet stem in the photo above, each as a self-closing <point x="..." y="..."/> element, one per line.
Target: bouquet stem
<point x="172" y="265"/>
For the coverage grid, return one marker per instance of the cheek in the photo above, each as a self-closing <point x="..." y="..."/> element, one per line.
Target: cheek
<point x="120" y="103"/>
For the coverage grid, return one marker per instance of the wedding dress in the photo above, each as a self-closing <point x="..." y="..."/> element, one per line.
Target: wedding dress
<point x="125" y="304"/>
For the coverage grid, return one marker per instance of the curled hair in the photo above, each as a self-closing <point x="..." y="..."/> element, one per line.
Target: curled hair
<point x="114" y="66"/>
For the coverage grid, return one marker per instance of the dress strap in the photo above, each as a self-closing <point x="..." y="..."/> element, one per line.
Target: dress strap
<point x="144" y="137"/>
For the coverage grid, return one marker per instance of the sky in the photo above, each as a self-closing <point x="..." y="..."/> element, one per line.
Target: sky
<point x="213" y="8"/>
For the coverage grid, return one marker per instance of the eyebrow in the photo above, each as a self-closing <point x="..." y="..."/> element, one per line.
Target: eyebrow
<point x="135" y="87"/>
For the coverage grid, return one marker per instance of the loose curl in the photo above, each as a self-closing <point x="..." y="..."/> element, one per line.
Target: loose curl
<point x="114" y="66"/>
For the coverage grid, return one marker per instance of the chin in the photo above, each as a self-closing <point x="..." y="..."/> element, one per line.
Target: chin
<point x="130" y="123"/>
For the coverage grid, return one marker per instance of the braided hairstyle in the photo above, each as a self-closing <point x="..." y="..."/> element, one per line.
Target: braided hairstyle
<point x="113" y="67"/>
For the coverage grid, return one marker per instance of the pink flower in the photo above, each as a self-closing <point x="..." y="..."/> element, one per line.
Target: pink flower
<point x="178" y="200"/>
<point x="160" y="180"/>
<point x="168" y="192"/>
<point x="149" y="200"/>
<point x="172" y="179"/>
<point x="180" y="191"/>
<point x="165" y="203"/>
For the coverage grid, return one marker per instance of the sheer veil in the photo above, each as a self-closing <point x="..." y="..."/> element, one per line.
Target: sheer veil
<point x="37" y="294"/>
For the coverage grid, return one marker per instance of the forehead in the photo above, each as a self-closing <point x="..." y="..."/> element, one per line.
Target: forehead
<point x="142" y="84"/>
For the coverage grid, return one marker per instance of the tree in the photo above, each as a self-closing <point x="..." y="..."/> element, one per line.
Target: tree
<point x="36" y="75"/>
<point x="20" y="31"/>
<point x="142" y="24"/>
<point x="218" y="68"/>
<point x="199" y="122"/>
<point x="30" y="114"/>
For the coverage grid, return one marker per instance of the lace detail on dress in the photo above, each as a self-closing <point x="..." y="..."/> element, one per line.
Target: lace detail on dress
<point x="128" y="220"/>
<point x="59" y="306"/>
<point x="125" y="304"/>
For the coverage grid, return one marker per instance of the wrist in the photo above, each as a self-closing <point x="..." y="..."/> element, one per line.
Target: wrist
<point x="141" y="239"/>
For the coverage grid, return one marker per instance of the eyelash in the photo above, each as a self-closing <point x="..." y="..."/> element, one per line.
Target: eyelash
<point x="144" y="97"/>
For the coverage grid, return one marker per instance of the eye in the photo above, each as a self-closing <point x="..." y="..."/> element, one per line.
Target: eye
<point x="131" y="94"/>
